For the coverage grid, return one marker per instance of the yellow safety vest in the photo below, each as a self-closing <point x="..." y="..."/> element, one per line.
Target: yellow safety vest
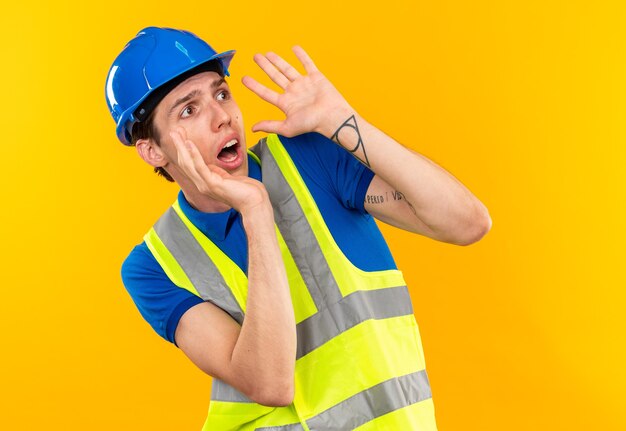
<point x="359" y="362"/>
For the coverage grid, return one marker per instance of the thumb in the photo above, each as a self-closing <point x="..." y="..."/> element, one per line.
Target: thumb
<point x="268" y="126"/>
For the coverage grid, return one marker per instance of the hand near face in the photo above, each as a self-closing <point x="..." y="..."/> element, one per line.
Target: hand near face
<point x="239" y="192"/>
<point x="310" y="102"/>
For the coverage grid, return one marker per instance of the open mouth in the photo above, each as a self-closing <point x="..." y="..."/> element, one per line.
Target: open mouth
<point x="230" y="151"/>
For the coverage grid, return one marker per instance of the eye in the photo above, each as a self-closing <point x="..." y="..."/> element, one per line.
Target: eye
<point x="223" y="95"/>
<point x="187" y="111"/>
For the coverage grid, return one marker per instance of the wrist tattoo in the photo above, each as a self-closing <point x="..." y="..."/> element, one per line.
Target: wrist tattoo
<point x="350" y="124"/>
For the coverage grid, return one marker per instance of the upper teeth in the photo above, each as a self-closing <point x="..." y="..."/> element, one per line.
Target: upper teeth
<point x="230" y="143"/>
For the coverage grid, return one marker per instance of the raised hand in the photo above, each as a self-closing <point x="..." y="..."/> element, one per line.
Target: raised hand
<point x="239" y="192"/>
<point x="310" y="102"/>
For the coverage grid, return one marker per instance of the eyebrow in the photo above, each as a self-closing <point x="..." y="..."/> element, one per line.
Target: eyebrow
<point x="193" y="94"/>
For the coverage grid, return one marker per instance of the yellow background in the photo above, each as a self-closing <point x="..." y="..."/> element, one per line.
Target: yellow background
<point x="523" y="101"/>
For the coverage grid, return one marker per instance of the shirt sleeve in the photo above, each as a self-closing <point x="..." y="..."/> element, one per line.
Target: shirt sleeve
<point x="160" y="302"/>
<point x="346" y="177"/>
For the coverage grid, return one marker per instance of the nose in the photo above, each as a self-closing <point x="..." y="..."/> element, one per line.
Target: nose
<point x="221" y="116"/>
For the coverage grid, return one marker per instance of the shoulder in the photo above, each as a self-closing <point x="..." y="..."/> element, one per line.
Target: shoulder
<point x="140" y="263"/>
<point x="160" y="302"/>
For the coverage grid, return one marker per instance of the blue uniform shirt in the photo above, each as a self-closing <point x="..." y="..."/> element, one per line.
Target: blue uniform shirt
<point x="338" y="183"/>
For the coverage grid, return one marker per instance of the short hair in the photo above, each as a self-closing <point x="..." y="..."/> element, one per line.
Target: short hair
<point x="147" y="130"/>
<point x="145" y="127"/>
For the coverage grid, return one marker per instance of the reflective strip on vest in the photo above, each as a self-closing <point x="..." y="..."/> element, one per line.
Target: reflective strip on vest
<point x="196" y="264"/>
<point x="365" y="406"/>
<point x="286" y="182"/>
<point x="291" y="221"/>
<point x="291" y="427"/>
<point x="349" y="312"/>
<point x="221" y="391"/>
<point x="359" y="360"/>
<point x="374" y="402"/>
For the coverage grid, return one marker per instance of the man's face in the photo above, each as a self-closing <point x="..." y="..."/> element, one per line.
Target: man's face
<point x="204" y="107"/>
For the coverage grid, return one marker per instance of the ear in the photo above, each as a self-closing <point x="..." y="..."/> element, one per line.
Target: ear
<point x="151" y="153"/>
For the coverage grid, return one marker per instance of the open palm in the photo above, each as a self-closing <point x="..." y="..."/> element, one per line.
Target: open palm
<point x="308" y="101"/>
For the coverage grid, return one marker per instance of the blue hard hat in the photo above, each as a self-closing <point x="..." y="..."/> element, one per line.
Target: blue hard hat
<point x="153" y="58"/>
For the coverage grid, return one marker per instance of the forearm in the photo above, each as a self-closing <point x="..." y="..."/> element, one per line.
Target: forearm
<point x="436" y="201"/>
<point x="434" y="196"/>
<point x="264" y="355"/>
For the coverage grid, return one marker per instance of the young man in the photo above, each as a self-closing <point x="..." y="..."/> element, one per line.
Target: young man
<point x="268" y="271"/>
